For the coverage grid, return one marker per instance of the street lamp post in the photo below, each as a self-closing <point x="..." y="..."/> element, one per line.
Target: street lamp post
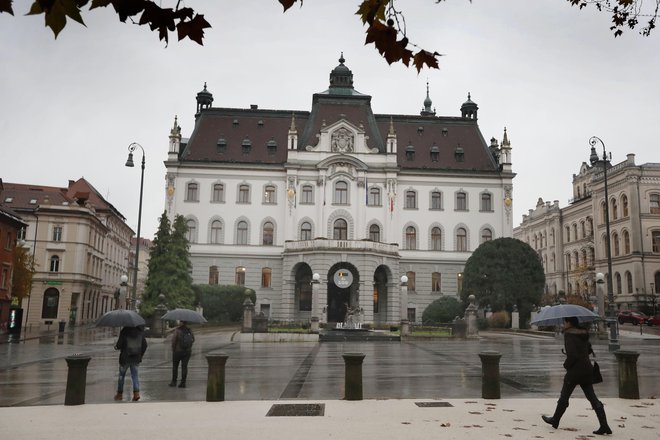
<point x="611" y="318"/>
<point x="129" y="163"/>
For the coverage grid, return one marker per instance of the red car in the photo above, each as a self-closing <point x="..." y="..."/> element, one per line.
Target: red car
<point x="635" y="318"/>
<point x="654" y="320"/>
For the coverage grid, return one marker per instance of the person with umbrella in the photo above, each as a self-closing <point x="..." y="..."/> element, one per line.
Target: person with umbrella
<point x="182" y="341"/>
<point x="579" y="371"/>
<point x="131" y="345"/>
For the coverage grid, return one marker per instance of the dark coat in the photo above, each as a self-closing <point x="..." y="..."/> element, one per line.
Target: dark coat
<point x="124" y="357"/>
<point x="577" y="348"/>
<point x="177" y="338"/>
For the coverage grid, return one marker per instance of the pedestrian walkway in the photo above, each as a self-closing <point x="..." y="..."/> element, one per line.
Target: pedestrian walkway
<point x="465" y="419"/>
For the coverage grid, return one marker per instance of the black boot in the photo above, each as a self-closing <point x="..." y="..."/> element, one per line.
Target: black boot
<point x="554" y="420"/>
<point x="602" y="419"/>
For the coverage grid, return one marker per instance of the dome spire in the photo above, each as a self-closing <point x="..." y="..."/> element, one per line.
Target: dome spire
<point x="341" y="77"/>
<point x="427" y="111"/>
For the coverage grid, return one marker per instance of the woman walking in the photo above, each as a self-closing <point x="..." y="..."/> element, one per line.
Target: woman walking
<point x="578" y="372"/>
<point x="131" y="345"/>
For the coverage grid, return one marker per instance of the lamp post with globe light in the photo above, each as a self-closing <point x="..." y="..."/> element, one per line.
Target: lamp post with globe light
<point x="405" y="324"/>
<point x="130" y="164"/>
<point x="316" y="283"/>
<point x="611" y="318"/>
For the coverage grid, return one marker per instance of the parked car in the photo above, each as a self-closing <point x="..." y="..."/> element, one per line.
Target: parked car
<point x="635" y="318"/>
<point x="653" y="320"/>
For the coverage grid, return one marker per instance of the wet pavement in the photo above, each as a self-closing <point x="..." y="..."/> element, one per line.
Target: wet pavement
<point x="34" y="371"/>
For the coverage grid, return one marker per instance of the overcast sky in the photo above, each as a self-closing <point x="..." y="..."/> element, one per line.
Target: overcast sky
<point x="550" y="73"/>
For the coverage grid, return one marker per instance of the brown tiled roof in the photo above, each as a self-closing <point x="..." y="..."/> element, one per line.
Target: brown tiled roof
<point x="11" y="216"/>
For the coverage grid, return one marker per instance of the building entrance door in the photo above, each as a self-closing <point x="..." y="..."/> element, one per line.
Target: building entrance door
<point x="338" y="302"/>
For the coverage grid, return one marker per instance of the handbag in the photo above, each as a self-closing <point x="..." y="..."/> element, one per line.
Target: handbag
<point x="596" y="377"/>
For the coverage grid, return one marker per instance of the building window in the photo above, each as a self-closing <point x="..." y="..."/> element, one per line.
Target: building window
<point x="340" y="230"/>
<point x="411" y="238"/>
<point x="216" y="232"/>
<point x="655" y="241"/>
<point x="303" y="288"/>
<point x="269" y="195"/>
<point x="615" y="210"/>
<point x="306" y="231"/>
<point x="603" y="212"/>
<point x="461" y="240"/>
<point x="655" y="203"/>
<point x="436" y="239"/>
<point x="374" y="197"/>
<point x="629" y="282"/>
<point x="568" y="234"/>
<point x="214" y="275"/>
<point x="268" y="232"/>
<point x="192" y="192"/>
<point x="486" y="235"/>
<point x="435" y="153"/>
<point x="266" y="276"/>
<point x="54" y="263"/>
<point x="410" y="153"/>
<point x="624" y="205"/>
<point x="626" y="242"/>
<point x="218" y="192"/>
<point x="617" y="277"/>
<point x="374" y="233"/>
<point x="583" y="229"/>
<point x="271" y="147"/>
<point x="459" y="154"/>
<point x="57" y="233"/>
<point x="221" y="145"/>
<point x="341" y="193"/>
<point x="615" y="244"/>
<point x="244" y="193"/>
<point x="4" y="281"/>
<point x="435" y="281"/>
<point x="21" y="234"/>
<point x="307" y="196"/>
<point x="486" y="202"/>
<point x="411" y="200"/>
<point x="246" y="146"/>
<point x="191" y="235"/>
<point x="436" y="200"/>
<point x="50" y="304"/>
<point x="240" y="276"/>
<point x="461" y="201"/>
<point x="411" y="281"/>
<point x="242" y="232"/>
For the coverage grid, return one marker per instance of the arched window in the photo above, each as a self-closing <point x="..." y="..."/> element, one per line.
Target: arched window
<point x="615" y="210"/>
<point x="568" y="234"/>
<point x="411" y="200"/>
<point x="243" y="193"/>
<point x="192" y="192"/>
<point x="268" y="232"/>
<point x="411" y="237"/>
<point x="486" y="235"/>
<point x="269" y="195"/>
<point x="214" y="275"/>
<point x="218" y="192"/>
<point x="624" y="205"/>
<point x="585" y="260"/>
<point x="436" y="239"/>
<point x="654" y="203"/>
<point x="486" y="202"/>
<point x="568" y="261"/>
<point x="461" y="240"/>
<point x="461" y="201"/>
<point x="55" y="264"/>
<point x="603" y="212"/>
<point x="629" y="282"/>
<point x="617" y="277"/>
<point x="436" y="200"/>
<point x="374" y="197"/>
<point x="50" y="303"/>
<point x="239" y="279"/>
<point x="307" y="197"/>
<point x="341" y="193"/>
<point x="306" y="231"/>
<point x="216" y="232"/>
<point x="626" y="242"/>
<point x="242" y="232"/>
<point x="340" y="230"/>
<point x="266" y="276"/>
<point x="583" y="228"/>
<point x="615" y="243"/>
<point x="191" y="235"/>
<point x="575" y="230"/>
<point x="374" y="233"/>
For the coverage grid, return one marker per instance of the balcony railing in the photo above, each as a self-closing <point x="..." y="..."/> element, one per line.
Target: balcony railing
<point x="342" y="245"/>
<point x="580" y="197"/>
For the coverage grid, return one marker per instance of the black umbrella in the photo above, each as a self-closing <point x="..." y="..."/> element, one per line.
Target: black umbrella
<point x="120" y="318"/>
<point x="184" y="315"/>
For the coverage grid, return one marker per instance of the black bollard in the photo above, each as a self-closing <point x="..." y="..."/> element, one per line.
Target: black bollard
<point x="628" y="384"/>
<point x="490" y="374"/>
<point x="215" y="385"/>
<point x="353" y="377"/>
<point x="76" y="379"/>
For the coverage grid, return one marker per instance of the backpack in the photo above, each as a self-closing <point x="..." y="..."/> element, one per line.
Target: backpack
<point x="134" y="345"/>
<point x="186" y="340"/>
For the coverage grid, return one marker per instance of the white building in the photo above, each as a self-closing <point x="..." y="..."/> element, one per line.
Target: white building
<point x="273" y="196"/>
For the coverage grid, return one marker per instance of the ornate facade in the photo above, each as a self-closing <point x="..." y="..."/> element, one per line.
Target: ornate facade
<point x="273" y="196"/>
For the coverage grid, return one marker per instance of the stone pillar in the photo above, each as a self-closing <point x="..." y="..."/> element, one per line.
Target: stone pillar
<point x="76" y="379"/>
<point x="533" y="315"/>
<point x="248" y="313"/>
<point x="215" y="384"/>
<point x="158" y="323"/>
<point x="403" y="306"/>
<point x="490" y="374"/>
<point x="471" y="318"/>
<point x="353" y="375"/>
<point x="628" y="384"/>
<point x="515" y="318"/>
<point x="316" y="285"/>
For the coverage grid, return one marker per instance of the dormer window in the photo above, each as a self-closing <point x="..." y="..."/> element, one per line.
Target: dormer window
<point x="235" y="123"/>
<point x="9" y="199"/>
<point x="33" y="201"/>
<point x="435" y="153"/>
<point x="222" y="145"/>
<point x="410" y="153"/>
<point x="271" y="147"/>
<point x="459" y="154"/>
<point x="246" y="146"/>
<point x="260" y="123"/>
<point x="445" y="132"/>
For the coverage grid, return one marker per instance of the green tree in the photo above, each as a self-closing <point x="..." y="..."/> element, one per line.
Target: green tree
<point x="442" y="310"/>
<point x="504" y="273"/>
<point x="24" y="268"/>
<point x="223" y="303"/>
<point x="169" y="268"/>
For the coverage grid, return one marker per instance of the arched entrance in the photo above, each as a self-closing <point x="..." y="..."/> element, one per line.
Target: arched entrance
<point x="343" y="291"/>
<point x="380" y="294"/>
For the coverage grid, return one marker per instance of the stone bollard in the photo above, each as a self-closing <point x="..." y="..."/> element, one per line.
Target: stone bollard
<point x="353" y="378"/>
<point x="628" y="384"/>
<point x="248" y="314"/>
<point x="459" y="328"/>
<point x="405" y="328"/>
<point x="215" y="385"/>
<point x="76" y="379"/>
<point x="490" y="374"/>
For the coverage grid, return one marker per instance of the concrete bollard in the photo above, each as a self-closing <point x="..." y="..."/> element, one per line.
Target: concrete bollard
<point x="76" y="380"/>
<point x="490" y="374"/>
<point x="353" y="378"/>
<point x="215" y="385"/>
<point x="628" y="384"/>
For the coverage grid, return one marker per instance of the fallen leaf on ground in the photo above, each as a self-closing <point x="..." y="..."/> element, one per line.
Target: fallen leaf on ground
<point x="520" y="429"/>
<point x="570" y="429"/>
<point x="475" y="412"/>
<point x="405" y="423"/>
<point x="445" y="425"/>
<point x="509" y="410"/>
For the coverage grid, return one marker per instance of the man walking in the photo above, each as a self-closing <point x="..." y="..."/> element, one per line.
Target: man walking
<point x="182" y="342"/>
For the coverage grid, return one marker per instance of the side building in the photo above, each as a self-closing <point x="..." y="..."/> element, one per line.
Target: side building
<point x="272" y="197"/>
<point x="571" y="241"/>
<point x="80" y="244"/>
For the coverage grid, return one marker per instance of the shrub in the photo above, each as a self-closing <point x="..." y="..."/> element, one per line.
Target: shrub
<point x="500" y="319"/>
<point x="223" y="303"/>
<point x="442" y="310"/>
